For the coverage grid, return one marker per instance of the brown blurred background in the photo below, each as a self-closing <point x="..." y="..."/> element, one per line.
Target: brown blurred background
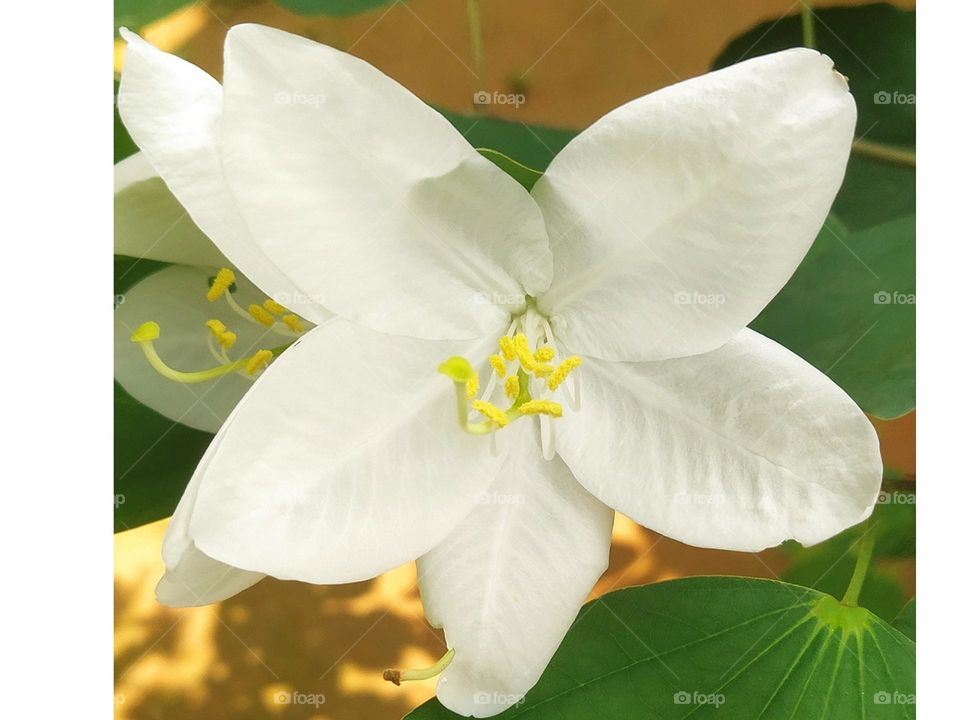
<point x="574" y="60"/>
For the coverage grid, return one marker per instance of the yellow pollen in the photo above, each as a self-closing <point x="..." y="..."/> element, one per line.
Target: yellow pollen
<point x="511" y="387"/>
<point x="222" y="335"/>
<point x="146" y="332"/>
<point x="545" y="353"/>
<point x="261" y="315"/>
<point x="456" y="368"/>
<point x="258" y="361"/>
<point x="563" y="369"/>
<point x="473" y="384"/>
<point x="508" y="348"/>
<point x="523" y="352"/>
<point x="498" y="365"/>
<point x="272" y="306"/>
<point x="541" y="407"/>
<point x="221" y="284"/>
<point x="491" y="411"/>
<point x="292" y="322"/>
<point x="542" y="370"/>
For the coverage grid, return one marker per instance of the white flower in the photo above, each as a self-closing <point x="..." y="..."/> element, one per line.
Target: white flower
<point x="650" y="242"/>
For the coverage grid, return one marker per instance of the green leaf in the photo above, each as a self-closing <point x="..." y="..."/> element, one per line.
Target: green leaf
<point x="849" y="311"/>
<point x="134" y="14"/>
<point x="336" y="8"/>
<point x="825" y="313"/>
<point x="828" y="566"/>
<point x="154" y="457"/>
<point x="906" y="620"/>
<point x="524" y="175"/>
<point x="531" y="145"/>
<point x="721" y="648"/>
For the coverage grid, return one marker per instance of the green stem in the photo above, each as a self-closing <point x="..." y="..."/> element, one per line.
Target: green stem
<point x="886" y="153"/>
<point x="809" y="24"/>
<point x="852" y="595"/>
<point x="476" y="41"/>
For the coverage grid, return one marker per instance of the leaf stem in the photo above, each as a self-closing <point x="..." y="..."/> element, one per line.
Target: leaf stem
<point x="809" y="24"/>
<point x="886" y="153"/>
<point x="476" y="41"/>
<point x="867" y="543"/>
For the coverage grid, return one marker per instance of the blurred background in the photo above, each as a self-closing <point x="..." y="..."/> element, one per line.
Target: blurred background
<point x="573" y="61"/>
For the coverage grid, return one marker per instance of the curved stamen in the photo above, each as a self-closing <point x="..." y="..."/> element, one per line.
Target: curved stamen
<point x="399" y="676"/>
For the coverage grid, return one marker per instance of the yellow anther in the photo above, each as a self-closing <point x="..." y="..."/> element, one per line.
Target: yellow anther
<point x="508" y="348"/>
<point x="498" y="365"/>
<point x="523" y="352"/>
<point x="473" y="384"/>
<point x="146" y="332"/>
<point x="221" y="284"/>
<point x="563" y="369"/>
<point x="492" y="412"/>
<point x="545" y="354"/>
<point x="456" y="368"/>
<point x="541" y="407"/>
<point x="293" y="322"/>
<point x="258" y="361"/>
<point x="274" y="307"/>
<point x="542" y="370"/>
<point x="261" y="315"/>
<point x="511" y="387"/>
<point x="221" y="334"/>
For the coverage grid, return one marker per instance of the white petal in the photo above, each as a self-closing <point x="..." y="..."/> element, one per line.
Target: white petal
<point x="678" y="216"/>
<point x="172" y="110"/>
<point x="740" y="448"/>
<point x="149" y="222"/>
<point x="344" y="460"/>
<point x="192" y="578"/>
<point x="506" y="585"/>
<point x="175" y="298"/>
<point x="369" y="198"/>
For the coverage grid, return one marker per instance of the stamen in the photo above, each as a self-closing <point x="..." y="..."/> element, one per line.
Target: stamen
<point x="511" y="387"/>
<point x="274" y="307"/>
<point x="473" y="384"/>
<point x="224" y="337"/>
<point x="258" y="361"/>
<point x="508" y="348"/>
<point x="150" y="331"/>
<point x="292" y="322"/>
<point x="541" y="407"/>
<point x="260" y="315"/>
<point x="221" y="284"/>
<point x="563" y="369"/>
<point x="398" y="676"/>
<point x="545" y="354"/>
<point x="542" y="370"/>
<point x="492" y="412"/>
<point x="523" y="352"/>
<point x="498" y="365"/>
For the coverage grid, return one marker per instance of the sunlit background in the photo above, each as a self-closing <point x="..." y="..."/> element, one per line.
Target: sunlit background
<point x="573" y="60"/>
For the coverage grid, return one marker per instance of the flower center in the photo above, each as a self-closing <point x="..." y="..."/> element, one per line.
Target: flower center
<point x="270" y="314"/>
<point x="528" y="371"/>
